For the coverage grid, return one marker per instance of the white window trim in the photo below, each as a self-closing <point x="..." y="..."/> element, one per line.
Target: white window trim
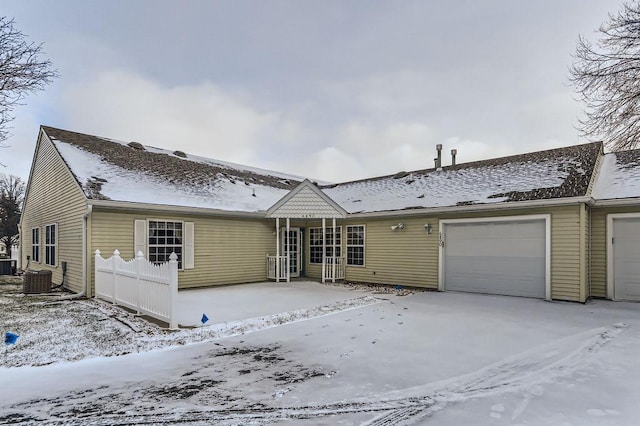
<point x="364" y="246"/>
<point x="54" y="245"/>
<point x="328" y="229"/>
<point x="164" y="220"/>
<point x="37" y="228"/>
<point x="521" y="218"/>
<point x="610" y="260"/>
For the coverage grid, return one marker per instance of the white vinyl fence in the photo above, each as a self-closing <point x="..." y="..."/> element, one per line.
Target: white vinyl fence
<point x="139" y="284"/>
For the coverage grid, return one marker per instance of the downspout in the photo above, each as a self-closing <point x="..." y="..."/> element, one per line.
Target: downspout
<point x="85" y="279"/>
<point x="19" y="261"/>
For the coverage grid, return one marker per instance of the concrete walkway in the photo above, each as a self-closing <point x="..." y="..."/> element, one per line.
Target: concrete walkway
<point x="237" y="302"/>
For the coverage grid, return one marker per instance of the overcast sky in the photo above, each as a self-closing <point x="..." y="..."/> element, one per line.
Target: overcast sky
<point x="334" y="90"/>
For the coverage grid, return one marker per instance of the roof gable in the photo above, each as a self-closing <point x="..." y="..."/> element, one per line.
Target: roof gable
<point x="306" y="201"/>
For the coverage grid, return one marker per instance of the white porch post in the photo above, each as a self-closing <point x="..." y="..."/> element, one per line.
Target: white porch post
<point x="288" y="253"/>
<point x="324" y="249"/>
<point x="335" y="258"/>
<point x="277" y="249"/>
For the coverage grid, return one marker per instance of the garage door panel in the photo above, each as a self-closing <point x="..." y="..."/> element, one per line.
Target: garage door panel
<point x="626" y="258"/>
<point x="496" y="258"/>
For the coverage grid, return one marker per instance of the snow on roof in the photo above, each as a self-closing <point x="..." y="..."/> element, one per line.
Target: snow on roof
<point x="114" y="170"/>
<point x="562" y="172"/>
<point x="619" y="176"/>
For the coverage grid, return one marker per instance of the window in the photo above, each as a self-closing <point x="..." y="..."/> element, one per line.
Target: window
<point x="355" y="245"/>
<point x="35" y="244"/>
<point x="165" y="238"/>
<point x="50" y="236"/>
<point x="315" y="243"/>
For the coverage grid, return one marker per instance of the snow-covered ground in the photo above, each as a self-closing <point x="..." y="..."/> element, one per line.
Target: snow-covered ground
<point x="314" y="354"/>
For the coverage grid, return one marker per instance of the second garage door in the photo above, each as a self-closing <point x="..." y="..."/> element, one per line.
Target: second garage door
<point x="626" y="258"/>
<point x="502" y="257"/>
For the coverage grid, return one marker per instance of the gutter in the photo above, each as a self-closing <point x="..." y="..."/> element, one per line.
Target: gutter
<point x="19" y="262"/>
<point x="131" y="205"/>
<point x="476" y="207"/>
<point x="261" y="214"/>
<point x="613" y="202"/>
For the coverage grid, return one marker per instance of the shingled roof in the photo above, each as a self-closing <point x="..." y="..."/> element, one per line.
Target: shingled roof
<point x="619" y="176"/>
<point x="555" y="173"/>
<point x="110" y="169"/>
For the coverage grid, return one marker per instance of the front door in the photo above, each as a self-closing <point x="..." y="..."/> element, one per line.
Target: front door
<point x="292" y="246"/>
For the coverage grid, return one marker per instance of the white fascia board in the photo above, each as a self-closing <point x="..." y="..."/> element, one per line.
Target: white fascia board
<point x="554" y="202"/>
<point x="614" y="202"/>
<point x="130" y="205"/>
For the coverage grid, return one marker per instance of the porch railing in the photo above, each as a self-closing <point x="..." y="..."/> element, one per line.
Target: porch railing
<point x="339" y="268"/>
<point x="277" y="267"/>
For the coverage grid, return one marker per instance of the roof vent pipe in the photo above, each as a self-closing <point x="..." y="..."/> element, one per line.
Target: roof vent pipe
<point x="439" y="160"/>
<point x="453" y="156"/>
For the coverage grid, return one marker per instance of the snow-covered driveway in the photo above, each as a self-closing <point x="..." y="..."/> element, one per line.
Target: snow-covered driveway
<point x="425" y="358"/>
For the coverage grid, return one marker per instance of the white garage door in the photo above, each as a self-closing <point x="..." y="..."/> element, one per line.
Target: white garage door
<point x="626" y="259"/>
<point x="504" y="257"/>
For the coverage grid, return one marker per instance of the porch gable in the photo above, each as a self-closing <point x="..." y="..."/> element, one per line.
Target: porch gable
<point x="306" y="201"/>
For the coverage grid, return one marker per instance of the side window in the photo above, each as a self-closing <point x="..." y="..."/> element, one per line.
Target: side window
<point x="35" y="244"/>
<point x="50" y="244"/>
<point x="355" y="245"/>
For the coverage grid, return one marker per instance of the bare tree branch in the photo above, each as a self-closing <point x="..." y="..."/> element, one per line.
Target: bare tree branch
<point x="12" y="190"/>
<point x="22" y="72"/>
<point x="607" y="78"/>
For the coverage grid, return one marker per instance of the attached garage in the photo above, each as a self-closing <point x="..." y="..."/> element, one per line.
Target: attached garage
<point x="506" y="256"/>
<point x="624" y="256"/>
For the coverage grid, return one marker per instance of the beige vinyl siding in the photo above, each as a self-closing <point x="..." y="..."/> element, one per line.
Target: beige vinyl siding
<point x="567" y="278"/>
<point x="54" y="197"/>
<point x="599" y="247"/>
<point x="410" y="257"/>
<point x="227" y="251"/>
<point x="567" y="274"/>
<point x="406" y="257"/>
<point x="598" y="252"/>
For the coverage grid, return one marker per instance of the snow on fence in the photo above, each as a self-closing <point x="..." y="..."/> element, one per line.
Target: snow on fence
<point x="138" y="284"/>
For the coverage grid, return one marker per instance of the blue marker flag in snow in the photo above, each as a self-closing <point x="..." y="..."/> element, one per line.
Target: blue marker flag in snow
<point x="10" y="338"/>
<point x="205" y="318"/>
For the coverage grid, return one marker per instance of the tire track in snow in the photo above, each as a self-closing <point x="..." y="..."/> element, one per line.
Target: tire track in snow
<point x="539" y="365"/>
<point x="404" y="407"/>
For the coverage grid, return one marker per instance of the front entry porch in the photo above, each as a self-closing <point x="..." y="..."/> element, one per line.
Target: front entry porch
<point x="288" y="261"/>
<point x="307" y="205"/>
